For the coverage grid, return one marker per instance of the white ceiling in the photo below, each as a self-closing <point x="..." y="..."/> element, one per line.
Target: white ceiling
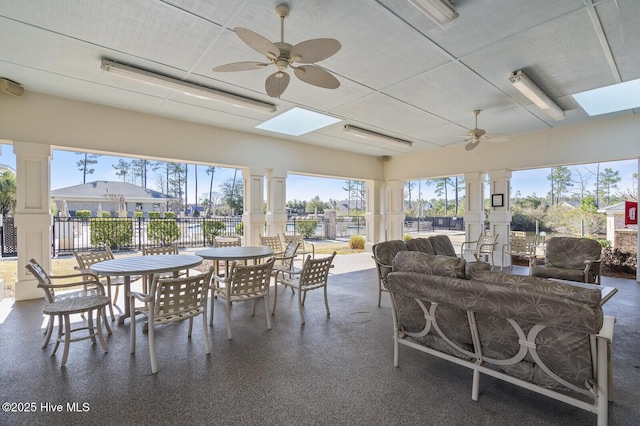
<point x="400" y="73"/>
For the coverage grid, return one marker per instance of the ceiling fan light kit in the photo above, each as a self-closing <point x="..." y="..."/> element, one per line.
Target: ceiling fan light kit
<point x="439" y="11"/>
<point x="368" y="134"/>
<point x="284" y="55"/>
<point x="528" y="88"/>
<point x="185" y="87"/>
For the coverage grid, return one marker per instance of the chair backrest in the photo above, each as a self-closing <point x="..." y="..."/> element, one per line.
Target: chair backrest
<point x="315" y="272"/>
<point x="523" y="244"/>
<point x="43" y="279"/>
<point x="422" y="245"/>
<point x="248" y="280"/>
<point x="286" y="261"/>
<point x="272" y="242"/>
<point x="152" y="251"/>
<point x="227" y="242"/>
<point x="571" y="252"/>
<point x="87" y="258"/>
<point x="286" y="239"/>
<point x="442" y="245"/>
<point x="486" y="243"/>
<point x="179" y="298"/>
<point x="383" y="254"/>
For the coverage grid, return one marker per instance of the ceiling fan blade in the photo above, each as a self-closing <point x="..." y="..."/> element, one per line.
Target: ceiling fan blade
<point x="240" y="66"/>
<point x="312" y="51"/>
<point x="496" y="138"/>
<point x="277" y="83"/>
<point x="317" y="77"/>
<point x="257" y="42"/>
<point x="471" y="145"/>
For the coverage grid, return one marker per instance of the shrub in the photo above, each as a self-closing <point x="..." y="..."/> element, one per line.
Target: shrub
<point x="106" y="214"/>
<point x="163" y="231"/>
<point x="619" y="260"/>
<point x="306" y="227"/>
<point x="83" y="213"/>
<point x="240" y="229"/>
<point x="356" y="242"/>
<point x="169" y="215"/>
<point x="407" y="237"/>
<point x="113" y="233"/>
<point x="154" y="215"/>
<point x="211" y="230"/>
<point x="137" y="214"/>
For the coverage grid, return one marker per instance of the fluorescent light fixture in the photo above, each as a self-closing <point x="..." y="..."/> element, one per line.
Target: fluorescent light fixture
<point x="185" y="87"/>
<point x="439" y="11"/>
<point x="297" y="121"/>
<point x="528" y="88"/>
<point x="368" y="134"/>
<point x="614" y="98"/>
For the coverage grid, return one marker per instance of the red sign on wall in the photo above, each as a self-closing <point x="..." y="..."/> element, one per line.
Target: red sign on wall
<point x="630" y="212"/>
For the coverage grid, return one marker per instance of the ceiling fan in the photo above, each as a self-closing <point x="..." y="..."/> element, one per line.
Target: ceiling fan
<point x="475" y="135"/>
<point x="283" y="55"/>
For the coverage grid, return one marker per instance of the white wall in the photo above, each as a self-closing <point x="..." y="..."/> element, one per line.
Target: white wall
<point x="65" y="123"/>
<point x="598" y="141"/>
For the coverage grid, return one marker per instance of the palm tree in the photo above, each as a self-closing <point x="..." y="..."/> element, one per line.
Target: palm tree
<point x="8" y="193"/>
<point x="210" y="171"/>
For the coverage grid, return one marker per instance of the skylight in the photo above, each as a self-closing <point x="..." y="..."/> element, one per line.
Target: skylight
<point x="297" y="121"/>
<point x="614" y="98"/>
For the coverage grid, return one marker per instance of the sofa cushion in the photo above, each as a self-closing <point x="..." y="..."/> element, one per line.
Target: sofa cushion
<point x="415" y="261"/>
<point x="577" y="292"/>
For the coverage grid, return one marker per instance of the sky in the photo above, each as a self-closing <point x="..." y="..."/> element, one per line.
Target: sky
<point x="64" y="172"/>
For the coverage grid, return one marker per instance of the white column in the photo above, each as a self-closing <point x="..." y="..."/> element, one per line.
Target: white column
<point x="276" y="202"/>
<point x="253" y="216"/>
<point x="374" y="216"/>
<point x="500" y="216"/>
<point x="394" y="209"/>
<point x="33" y="216"/>
<point x="474" y="215"/>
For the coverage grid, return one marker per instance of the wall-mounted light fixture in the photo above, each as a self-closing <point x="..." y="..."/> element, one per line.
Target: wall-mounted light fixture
<point x="528" y="88"/>
<point x="185" y="87"/>
<point x="368" y="134"/>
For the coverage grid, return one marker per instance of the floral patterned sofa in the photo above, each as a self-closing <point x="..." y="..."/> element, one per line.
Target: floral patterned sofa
<point x="546" y="336"/>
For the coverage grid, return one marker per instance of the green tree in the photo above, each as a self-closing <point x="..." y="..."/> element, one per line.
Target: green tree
<point x="442" y="189"/>
<point x="85" y="164"/>
<point x="139" y="168"/>
<point x="408" y="190"/>
<point x="123" y="169"/>
<point x="316" y="203"/>
<point x="609" y="181"/>
<point x="211" y="171"/>
<point x="233" y="195"/>
<point x="8" y="193"/>
<point x="560" y="178"/>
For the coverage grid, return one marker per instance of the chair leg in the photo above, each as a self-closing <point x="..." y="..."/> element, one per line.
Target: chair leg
<point x="132" y="330"/>
<point x="275" y="297"/>
<point x="152" y="346"/>
<point x="211" y="300"/>
<point x="190" y="327"/>
<point x="92" y="330"/>
<point x="48" y="331"/>
<point x="60" y="328"/>
<point x="99" y="328"/>
<point x="67" y="338"/>
<point x="113" y="317"/>
<point x="326" y="302"/>
<point x="229" y="334"/>
<point x="205" y="330"/>
<point x="379" y="292"/>
<point x="266" y="309"/>
<point x="300" y="304"/>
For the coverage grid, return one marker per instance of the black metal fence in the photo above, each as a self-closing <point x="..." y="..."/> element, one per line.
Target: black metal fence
<point x="77" y="233"/>
<point x="8" y="237"/>
<point x="433" y="223"/>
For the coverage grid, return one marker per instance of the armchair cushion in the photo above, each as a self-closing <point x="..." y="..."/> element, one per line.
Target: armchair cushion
<point x="420" y="244"/>
<point x="570" y="258"/>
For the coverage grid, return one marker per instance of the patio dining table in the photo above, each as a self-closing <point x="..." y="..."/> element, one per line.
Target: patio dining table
<point x="143" y="265"/>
